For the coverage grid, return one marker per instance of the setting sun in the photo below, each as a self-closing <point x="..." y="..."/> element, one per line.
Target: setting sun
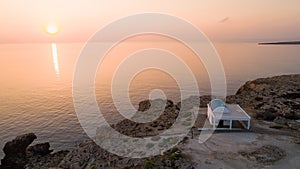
<point x="52" y="29"/>
<point x="150" y="84"/>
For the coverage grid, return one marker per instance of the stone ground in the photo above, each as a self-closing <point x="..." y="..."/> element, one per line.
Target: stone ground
<point x="260" y="147"/>
<point x="229" y="150"/>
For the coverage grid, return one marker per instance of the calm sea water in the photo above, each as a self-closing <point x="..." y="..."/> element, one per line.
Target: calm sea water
<point x="36" y="86"/>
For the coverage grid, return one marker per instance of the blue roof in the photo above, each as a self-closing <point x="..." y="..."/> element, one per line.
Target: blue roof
<point x="216" y="103"/>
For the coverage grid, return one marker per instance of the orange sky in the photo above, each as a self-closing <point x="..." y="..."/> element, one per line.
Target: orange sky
<point x="23" y="21"/>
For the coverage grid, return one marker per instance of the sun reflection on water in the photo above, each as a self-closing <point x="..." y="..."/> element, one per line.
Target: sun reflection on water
<point x="55" y="58"/>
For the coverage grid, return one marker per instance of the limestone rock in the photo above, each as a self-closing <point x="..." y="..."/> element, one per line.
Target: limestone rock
<point x="15" y="154"/>
<point x="271" y="98"/>
<point x="144" y="105"/>
<point x="39" y="149"/>
<point x="46" y="161"/>
<point x="294" y="125"/>
<point x="281" y="120"/>
<point x="18" y="145"/>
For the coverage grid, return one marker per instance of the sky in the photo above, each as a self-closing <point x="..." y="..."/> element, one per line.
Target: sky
<point x="24" y="21"/>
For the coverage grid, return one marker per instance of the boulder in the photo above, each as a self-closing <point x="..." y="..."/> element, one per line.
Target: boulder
<point x="15" y="151"/>
<point x="18" y="145"/>
<point x="144" y="105"/>
<point x="169" y="104"/>
<point x="294" y="125"/>
<point x="268" y="116"/>
<point x="281" y="120"/>
<point x="39" y="149"/>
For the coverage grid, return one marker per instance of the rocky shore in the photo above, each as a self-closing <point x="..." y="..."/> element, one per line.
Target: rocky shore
<point x="19" y="154"/>
<point x="275" y="99"/>
<point x="273" y="103"/>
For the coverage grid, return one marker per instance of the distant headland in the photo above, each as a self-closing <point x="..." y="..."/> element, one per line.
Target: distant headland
<point x="280" y="43"/>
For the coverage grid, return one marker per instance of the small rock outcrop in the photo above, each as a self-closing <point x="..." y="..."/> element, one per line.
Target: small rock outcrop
<point x="39" y="149"/>
<point x="19" y="154"/>
<point x="165" y="112"/>
<point x="144" y="105"/>
<point x="18" y="145"/>
<point x="15" y="151"/>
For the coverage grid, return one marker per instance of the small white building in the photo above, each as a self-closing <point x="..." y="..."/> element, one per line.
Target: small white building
<point x="218" y="111"/>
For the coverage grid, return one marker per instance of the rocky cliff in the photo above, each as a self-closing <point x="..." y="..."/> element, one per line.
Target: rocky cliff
<point x="274" y="99"/>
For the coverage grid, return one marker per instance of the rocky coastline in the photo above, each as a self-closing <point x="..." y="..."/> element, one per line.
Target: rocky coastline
<point x="273" y="103"/>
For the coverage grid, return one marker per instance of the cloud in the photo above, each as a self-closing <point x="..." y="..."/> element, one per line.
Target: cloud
<point x="224" y="20"/>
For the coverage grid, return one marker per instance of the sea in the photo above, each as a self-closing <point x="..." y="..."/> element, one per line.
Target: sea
<point x="36" y="81"/>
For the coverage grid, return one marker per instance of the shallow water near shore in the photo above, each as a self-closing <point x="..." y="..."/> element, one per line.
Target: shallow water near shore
<point x="36" y="88"/>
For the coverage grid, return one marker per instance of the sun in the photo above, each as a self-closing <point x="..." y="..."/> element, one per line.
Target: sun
<point x="52" y="29"/>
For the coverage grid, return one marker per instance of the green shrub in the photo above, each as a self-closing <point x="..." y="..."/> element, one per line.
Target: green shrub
<point x="149" y="165"/>
<point x="127" y="167"/>
<point x="173" y="150"/>
<point x="172" y="155"/>
<point x="93" y="166"/>
<point x="149" y="129"/>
